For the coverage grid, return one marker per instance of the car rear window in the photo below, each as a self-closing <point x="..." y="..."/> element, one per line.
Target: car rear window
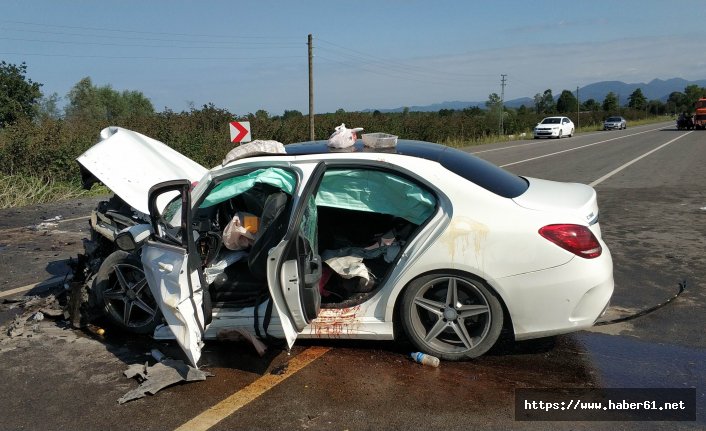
<point x="483" y="173"/>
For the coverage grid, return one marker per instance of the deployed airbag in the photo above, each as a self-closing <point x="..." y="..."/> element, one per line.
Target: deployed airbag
<point x="377" y="192"/>
<point x="231" y="187"/>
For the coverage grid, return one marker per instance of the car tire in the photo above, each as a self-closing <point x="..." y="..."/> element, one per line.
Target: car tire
<point x="571" y="133"/>
<point x="451" y="316"/>
<point x="122" y="292"/>
<point x="561" y="133"/>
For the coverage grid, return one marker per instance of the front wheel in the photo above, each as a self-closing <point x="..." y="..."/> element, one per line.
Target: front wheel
<point x="571" y="133"/>
<point x="561" y="133"/>
<point x="451" y="316"/>
<point x="122" y="291"/>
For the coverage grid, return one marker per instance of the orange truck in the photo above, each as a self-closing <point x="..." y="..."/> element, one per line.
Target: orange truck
<point x="700" y="114"/>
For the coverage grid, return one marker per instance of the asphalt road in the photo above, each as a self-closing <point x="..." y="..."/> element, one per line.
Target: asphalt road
<point x="652" y="197"/>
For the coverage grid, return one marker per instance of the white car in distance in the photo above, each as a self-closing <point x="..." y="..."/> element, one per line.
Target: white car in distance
<point x="554" y="127"/>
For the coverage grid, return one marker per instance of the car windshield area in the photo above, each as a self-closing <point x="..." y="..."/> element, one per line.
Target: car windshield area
<point x="553" y="120"/>
<point x="614" y="119"/>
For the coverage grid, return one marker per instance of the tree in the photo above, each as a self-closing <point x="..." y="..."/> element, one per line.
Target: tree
<point x="637" y="100"/>
<point x="692" y="93"/>
<point x="591" y="105"/>
<point x="48" y="107"/>
<point x="493" y="101"/>
<point x="544" y="103"/>
<point x="676" y="102"/>
<point x="610" y="103"/>
<point x="291" y="114"/>
<point x="87" y="101"/>
<point x="18" y="94"/>
<point x="567" y="102"/>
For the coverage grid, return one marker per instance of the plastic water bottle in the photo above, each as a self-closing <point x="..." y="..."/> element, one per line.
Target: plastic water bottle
<point x="424" y="359"/>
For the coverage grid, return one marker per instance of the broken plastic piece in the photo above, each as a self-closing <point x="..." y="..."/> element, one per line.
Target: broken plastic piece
<point x="160" y="375"/>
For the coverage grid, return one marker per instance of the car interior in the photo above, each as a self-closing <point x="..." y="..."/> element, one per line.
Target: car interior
<point x="359" y="221"/>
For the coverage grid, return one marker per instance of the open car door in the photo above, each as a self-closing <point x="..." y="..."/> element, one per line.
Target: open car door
<point x="171" y="265"/>
<point x="294" y="265"/>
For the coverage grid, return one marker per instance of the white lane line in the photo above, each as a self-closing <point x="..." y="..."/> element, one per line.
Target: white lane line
<point x="620" y="168"/>
<point x="555" y="141"/>
<point x="574" y="149"/>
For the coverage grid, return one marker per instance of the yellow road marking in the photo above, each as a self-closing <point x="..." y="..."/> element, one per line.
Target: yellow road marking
<point x="243" y="397"/>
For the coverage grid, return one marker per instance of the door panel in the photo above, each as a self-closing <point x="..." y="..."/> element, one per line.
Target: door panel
<point x="164" y="267"/>
<point x="171" y="266"/>
<point x="294" y="265"/>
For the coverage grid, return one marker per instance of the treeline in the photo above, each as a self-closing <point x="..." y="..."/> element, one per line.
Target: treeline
<point x="48" y="146"/>
<point x="39" y="139"/>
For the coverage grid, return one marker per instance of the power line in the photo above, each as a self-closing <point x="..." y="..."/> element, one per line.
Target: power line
<point x="122" y="30"/>
<point x="62" y="42"/>
<point x="118" y="57"/>
<point x="351" y="53"/>
<point x="231" y="39"/>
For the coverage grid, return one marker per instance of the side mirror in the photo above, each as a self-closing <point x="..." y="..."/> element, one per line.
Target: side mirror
<point x="131" y="238"/>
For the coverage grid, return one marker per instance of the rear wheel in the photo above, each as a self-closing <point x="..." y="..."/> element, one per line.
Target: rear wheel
<point x="451" y="316"/>
<point x="571" y="133"/>
<point x="121" y="289"/>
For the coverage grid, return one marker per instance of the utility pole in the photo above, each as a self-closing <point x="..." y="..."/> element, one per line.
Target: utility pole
<point x="502" y="102"/>
<point x="578" y="109"/>
<point x="311" y="89"/>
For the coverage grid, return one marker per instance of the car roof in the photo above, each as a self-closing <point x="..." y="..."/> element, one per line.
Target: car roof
<point x="468" y="166"/>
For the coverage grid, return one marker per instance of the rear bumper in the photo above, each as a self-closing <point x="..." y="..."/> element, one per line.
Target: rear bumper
<point x="562" y="299"/>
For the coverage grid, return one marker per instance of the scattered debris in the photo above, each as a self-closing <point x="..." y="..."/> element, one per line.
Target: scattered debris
<point x="160" y="375"/>
<point x="44" y="226"/>
<point x="34" y="310"/>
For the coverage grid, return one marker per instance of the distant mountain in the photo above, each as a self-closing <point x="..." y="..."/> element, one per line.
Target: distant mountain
<point x="657" y="89"/>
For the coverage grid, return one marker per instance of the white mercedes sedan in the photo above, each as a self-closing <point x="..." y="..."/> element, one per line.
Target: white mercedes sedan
<point x="407" y="239"/>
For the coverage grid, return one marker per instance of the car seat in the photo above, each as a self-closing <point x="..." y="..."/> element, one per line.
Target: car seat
<point x="273" y="225"/>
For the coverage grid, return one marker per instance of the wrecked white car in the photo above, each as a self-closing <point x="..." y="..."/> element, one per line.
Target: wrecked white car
<point x="306" y="240"/>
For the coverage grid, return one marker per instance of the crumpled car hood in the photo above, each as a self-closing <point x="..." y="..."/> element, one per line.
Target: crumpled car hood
<point x="129" y="163"/>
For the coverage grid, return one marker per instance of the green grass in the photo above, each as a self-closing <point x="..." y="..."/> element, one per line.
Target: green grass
<point x="21" y="190"/>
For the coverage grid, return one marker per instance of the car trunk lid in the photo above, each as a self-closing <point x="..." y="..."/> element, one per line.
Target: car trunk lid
<point x="574" y="198"/>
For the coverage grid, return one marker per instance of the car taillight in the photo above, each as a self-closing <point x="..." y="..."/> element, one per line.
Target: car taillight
<point x="575" y="238"/>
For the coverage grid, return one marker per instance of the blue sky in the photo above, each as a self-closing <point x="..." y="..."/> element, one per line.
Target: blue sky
<point x="250" y="55"/>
